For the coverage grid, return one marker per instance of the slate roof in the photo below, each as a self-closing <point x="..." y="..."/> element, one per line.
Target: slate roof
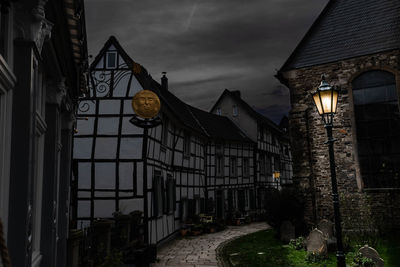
<point x="347" y="29"/>
<point x="219" y="127"/>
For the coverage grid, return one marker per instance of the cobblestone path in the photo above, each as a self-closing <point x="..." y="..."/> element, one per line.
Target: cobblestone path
<point x="200" y="251"/>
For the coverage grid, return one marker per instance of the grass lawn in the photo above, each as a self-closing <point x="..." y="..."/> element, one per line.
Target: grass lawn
<point x="263" y="249"/>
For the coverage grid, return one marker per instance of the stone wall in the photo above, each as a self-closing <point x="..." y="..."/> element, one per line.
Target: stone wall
<point x="310" y="154"/>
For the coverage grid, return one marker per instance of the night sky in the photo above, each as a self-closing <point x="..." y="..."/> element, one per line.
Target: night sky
<point x="206" y="46"/>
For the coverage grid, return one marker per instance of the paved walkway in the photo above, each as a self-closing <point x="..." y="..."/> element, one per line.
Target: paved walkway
<point x="200" y="251"/>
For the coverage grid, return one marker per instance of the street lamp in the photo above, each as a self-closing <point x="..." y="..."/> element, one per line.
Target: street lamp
<point x="325" y="99"/>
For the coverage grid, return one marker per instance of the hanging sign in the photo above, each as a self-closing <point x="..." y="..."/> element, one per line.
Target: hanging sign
<point x="146" y="104"/>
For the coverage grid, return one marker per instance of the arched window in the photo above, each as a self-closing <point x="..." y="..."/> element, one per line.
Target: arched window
<point x="376" y="109"/>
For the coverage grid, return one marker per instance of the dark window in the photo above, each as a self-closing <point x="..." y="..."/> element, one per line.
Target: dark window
<point x="184" y="209"/>
<point x="241" y="200"/>
<point x="262" y="164"/>
<point x="268" y="165"/>
<point x="252" y="199"/>
<point x="246" y="167"/>
<point x="4" y="36"/>
<point x="233" y="167"/>
<point x="186" y="144"/>
<point x="230" y="200"/>
<point x="164" y="137"/>
<point x="171" y="194"/>
<point x="111" y="59"/>
<point x="158" y="194"/>
<point x="219" y="165"/>
<point x="234" y="110"/>
<point x="277" y="164"/>
<point x="377" y="117"/>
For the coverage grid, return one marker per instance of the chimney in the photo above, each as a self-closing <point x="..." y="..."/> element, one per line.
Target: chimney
<point x="236" y="93"/>
<point x="164" y="81"/>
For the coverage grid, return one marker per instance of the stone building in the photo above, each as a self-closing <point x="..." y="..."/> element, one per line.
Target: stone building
<point x="43" y="58"/>
<point x="356" y="44"/>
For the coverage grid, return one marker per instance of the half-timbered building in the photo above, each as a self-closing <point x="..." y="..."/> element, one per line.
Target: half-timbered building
<point x="272" y="150"/>
<point x="194" y="162"/>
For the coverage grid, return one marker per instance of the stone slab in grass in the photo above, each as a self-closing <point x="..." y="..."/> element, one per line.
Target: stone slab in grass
<point x="372" y="254"/>
<point x="317" y="243"/>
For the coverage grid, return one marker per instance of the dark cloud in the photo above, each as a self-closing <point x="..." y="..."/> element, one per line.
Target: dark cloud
<point x="208" y="45"/>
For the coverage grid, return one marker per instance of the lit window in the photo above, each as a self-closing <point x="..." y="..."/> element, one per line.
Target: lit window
<point x="234" y="110"/>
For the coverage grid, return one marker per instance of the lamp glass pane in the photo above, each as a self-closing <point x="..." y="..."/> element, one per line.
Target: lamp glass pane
<point x="326" y="99"/>
<point x="318" y="102"/>
<point x="335" y="99"/>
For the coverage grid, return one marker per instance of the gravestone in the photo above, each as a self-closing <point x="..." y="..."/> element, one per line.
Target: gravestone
<point x="287" y="231"/>
<point x="326" y="227"/>
<point x="317" y="243"/>
<point x="372" y="254"/>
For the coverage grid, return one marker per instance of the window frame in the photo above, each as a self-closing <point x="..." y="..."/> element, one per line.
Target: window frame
<point x="115" y="53"/>
<point x="233" y="167"/>
<point x="235" y="111"/>
<point x="361" y="180"/>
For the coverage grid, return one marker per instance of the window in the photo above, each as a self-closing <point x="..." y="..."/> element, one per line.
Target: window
<point x="184" y="209"/>
<point x="111" y="59"/>
<point x="268" y="165"/>
<point x="246" y="167"/>
<point x="4" y="35"/>
<point x="277" y="164"/>
<point x="376" y="112"/>
<point x="164" y="137"/>
<point x="241" y="200"/>
<point x="233" y="166"/>
<point x="219" y="165"/>
<point x="171" y="194"/>
<point x="262" y="164"/>
<point x="218" y="111"/>
<point x="186" y="144"/>
<point x="158" y="194"/>
<point x="234" y="110"/>
<point x="252" y="199"/>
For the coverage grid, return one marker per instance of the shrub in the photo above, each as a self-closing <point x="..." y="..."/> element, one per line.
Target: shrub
<point x="313" y="257"/>
<point x="287" y="204"/>
<point x="361" y="261"/>
<point x="297" y="243"/>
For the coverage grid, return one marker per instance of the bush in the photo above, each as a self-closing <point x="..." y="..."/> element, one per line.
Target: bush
<point x="297" y="243"/>
<point x="284" y="205"/>
<point x="361" y="261"/>
<point x="312" y="257"/>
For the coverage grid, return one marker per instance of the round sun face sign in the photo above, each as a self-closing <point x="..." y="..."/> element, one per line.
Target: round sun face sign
<point x="146" y="104"/>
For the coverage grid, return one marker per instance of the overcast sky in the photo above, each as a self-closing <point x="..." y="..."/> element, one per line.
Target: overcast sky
<point x="206" y="46"/>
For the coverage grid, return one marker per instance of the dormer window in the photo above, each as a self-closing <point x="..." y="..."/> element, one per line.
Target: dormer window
<point x="111" y="60"/>
<point x="234" y="110"/>
<point x="219" y="111"/>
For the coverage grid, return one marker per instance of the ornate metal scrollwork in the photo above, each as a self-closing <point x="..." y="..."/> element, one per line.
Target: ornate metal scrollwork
<point x="84" y="106"/>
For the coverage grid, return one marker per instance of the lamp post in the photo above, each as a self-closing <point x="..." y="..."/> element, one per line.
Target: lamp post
<point x="325" y="99"/>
